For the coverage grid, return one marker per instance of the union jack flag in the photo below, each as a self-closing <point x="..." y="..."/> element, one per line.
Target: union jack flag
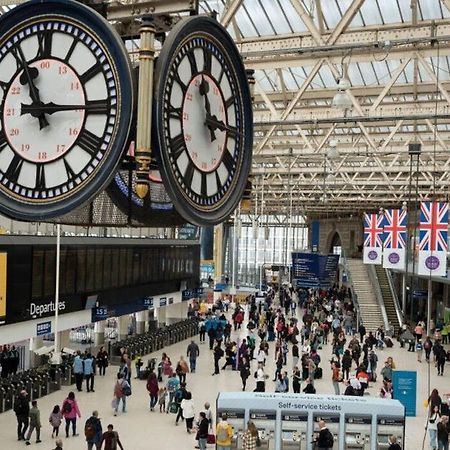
<point x="433" y="226"/>
<point x="373" y="230"/>
<point x="395" y="228"/>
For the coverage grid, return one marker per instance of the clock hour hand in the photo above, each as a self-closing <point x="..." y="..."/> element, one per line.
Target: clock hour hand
<point x="29" y="73"/>
<point x="204" y="89"/>
<point x="50" y="108"/>
<point x="216" y="124"/>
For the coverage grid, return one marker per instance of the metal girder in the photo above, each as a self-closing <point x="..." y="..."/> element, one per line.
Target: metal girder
<point x="230" y="11"/>
<point x="366" y="44"/>
<point x="120" y="10"/>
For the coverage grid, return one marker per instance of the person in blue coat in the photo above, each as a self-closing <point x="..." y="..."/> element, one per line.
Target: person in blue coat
<point x="78" y="370"/>
<point x="89" y="370"/>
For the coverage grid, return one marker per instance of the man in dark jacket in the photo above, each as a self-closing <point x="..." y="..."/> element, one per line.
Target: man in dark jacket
<point x="193" y="352"/>
<point x="22" y="410"/>
<point x="93" y="432"/>
<point x="325" y="441"/>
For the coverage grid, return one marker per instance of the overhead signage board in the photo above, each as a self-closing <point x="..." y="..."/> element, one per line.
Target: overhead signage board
<point x="43" y="328"/>
<point x="312" y="270"/>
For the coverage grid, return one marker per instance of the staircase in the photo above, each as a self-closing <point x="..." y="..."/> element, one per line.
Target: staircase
<point x="388" y="299"/>
<point x="370" y="309"/>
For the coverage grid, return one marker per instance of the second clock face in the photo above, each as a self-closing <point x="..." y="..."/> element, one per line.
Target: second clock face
<point x="63" y="78"/>
<point x="203" y="119"/>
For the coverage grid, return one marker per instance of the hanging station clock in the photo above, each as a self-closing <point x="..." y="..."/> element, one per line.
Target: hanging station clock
<point x="66" y="100"/>
<point x="203" y="116"/>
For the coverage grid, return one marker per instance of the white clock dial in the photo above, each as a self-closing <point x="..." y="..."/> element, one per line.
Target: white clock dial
<point x="65" y="94"/>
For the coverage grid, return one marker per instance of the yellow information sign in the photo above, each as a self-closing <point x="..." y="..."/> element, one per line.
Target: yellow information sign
<point x="3" y="267"/>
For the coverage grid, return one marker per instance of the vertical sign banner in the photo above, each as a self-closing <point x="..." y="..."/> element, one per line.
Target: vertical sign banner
<point x="3" y="267"/>
<point x="433" y="231"/>
<point x="373" y="238"/>
<point x="404" y="383"/>
<point x="394" y="254"/>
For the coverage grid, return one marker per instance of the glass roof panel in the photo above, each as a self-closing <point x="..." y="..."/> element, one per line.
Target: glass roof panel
<point x="289" y="81"/>
<point x="431" y="9"/>
<point x="354" y="75"/>
<point x="291" y="13"/>
<point x="370" y="13"/>
<point x="331" y="12"/>
<point x="390" y="11"/>
<point x="245" y="24"/>
<point x="276" y="16"/>
<point x="258" y="17"/>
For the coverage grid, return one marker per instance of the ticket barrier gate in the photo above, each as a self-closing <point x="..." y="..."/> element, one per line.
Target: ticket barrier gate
<point x="388" y="426"/>
<point x="357" y="432"/>
<point x="332" y="422"/>
<point x="265" y="422"/>
<point x="294" y="431"/>
<point x="236" y="418"/>
<point x="7" y="392"/>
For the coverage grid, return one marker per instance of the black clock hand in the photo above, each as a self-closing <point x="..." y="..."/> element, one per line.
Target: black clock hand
<point x="50" y="108"/>
<point x="216" y="124"/>
<point x="204" y="89"/>
<point x="30" y="74"/>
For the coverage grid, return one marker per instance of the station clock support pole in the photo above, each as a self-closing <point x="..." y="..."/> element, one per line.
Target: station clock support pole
<point x="144" y="107"/>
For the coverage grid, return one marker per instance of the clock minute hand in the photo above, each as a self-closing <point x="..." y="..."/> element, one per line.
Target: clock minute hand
<point x="34" y="91"/>
<point x="51" y="108"/>
<point x="204" y="89"/>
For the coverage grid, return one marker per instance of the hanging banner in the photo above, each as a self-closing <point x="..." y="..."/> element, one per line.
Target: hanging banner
<point x="373" y="238"/>
<point x="433" y="231"/>
<point x="394" y="253"/>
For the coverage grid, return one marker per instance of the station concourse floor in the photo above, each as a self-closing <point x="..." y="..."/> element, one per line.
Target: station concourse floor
<point x="140" y="429"/>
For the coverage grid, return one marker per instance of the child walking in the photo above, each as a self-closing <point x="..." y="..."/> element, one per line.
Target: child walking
<point x="162" y="399"/>
<point x="55" y="420"/>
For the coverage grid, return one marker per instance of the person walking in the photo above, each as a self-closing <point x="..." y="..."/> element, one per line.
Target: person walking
<point x="218" y="354"/>
<point x="296" y="380"/>
<point x="93" y="432"/>
<point x="180" y="395"/>
<point x="121" y="389"/>
<point x="182" y="369"/>
<point x="70" y="412"/>
<point x="250" y="439"/>
<point x="59" y="444"/>
<point x="35" y="423"/>
<point x="22" y="411"/>
<point x="193" y="352"/>
<point x="102" y="361"/>
<point x="442" y="433"/>
<point x="325" y="440"/>
<point x="433" y="420"/>
<point x="244" y="372"/>
<point x="261" y="378"/>
<point x="203" y="430"/>
<point x="89" y="370"/>
<point x="188" y="408"/>
<point x="153" y="389"/>
<point x="224" y="433"/>
<point x="202" y="331"/>
<point x="335" y="377"/>
<point x="55" y="420"/>
<point x="78" y="371"/>
<point x="111" y="439"/>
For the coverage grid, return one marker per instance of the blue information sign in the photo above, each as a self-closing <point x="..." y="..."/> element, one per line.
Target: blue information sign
<point x="43" y="328"/>
<point x="99" y="313"/>
<point x="405" y="389"/>
<point x="312" y="270"/>
<point x="187" y="294"/>
<point x="163" y="301"/>
<point x="148" y="301"/>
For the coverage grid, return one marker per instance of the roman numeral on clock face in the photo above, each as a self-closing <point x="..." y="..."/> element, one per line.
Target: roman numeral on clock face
<point x="89" y="142"/>
<point x="45" y="38"/>
<point x="40" y="176"/>
<point x="15" y="166"/>
<point x="178" y="146"/>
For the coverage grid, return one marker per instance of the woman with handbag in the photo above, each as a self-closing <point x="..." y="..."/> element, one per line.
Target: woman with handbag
<point x="250" y="440"/>
<point x="202" y="433"/>
<point x="433" y="420"/>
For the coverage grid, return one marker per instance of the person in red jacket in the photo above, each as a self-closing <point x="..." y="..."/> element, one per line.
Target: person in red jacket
<point x="153" y="389"/>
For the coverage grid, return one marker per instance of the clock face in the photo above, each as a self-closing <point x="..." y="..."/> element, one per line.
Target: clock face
<point x="203" y="120"/>
<point x="66" y="101"/>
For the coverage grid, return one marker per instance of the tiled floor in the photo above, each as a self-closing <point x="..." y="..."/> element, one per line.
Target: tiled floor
<point x="141" y="429"/>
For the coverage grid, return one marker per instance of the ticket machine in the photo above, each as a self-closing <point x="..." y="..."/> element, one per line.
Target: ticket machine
<point x="357" y="432"/>
<point x="332" y="422"/>
<point x="294" y="431"/>
<point x="265" y="422"/>
<point x="236" y="418"/>
<point x="388" y="426"/>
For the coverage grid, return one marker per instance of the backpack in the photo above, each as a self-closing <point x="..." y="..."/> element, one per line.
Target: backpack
<point x="222" y="433"/>
<point x="89" y="430"/>
<point x="328" y="439"/>
<point x="126" y="390"/>
<point x="67" y="407"/>
<point x="179" y="395"/>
